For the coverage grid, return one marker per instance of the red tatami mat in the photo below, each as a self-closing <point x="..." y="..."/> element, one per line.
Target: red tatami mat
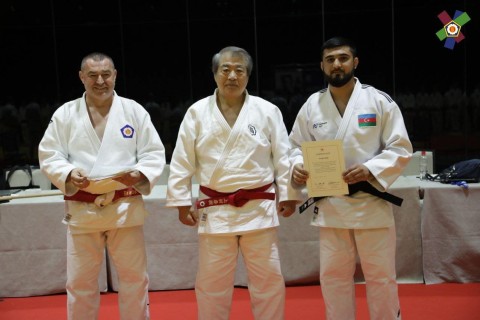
<point x="418" y="301"/>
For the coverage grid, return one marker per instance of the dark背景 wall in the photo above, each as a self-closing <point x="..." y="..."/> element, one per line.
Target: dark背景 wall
<point x="162" y="51"/>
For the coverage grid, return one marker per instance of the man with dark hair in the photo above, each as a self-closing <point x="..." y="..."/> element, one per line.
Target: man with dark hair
<point x="103" y="152"/>
<point x="376" y="148"/>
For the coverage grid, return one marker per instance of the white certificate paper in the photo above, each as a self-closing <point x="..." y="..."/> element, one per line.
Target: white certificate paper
<point x="325" y="163"/>
<point x="111" y="176"/>
<point x="106" y="184"/>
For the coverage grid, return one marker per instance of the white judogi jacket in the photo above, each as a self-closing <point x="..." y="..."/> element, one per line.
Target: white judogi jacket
<point x="252" y="154"/>
<point x="383" y="146"/>
<point x="130" y="141"/>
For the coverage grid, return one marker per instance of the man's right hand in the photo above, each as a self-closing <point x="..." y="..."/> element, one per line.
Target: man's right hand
<point x="187" y="215"/>
<point x="299" y="175"/>
<point x="78" y="178"/>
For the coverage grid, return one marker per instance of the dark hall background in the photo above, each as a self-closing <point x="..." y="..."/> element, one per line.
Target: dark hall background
<point x="162" y="51"/>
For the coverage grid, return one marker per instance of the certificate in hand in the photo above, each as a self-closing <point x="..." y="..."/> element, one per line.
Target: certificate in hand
<point x="106" y="183"/>
<point x="111" y="176"/>
<point x="325" y="163"/>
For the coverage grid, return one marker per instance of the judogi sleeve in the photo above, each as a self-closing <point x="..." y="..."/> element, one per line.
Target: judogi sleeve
<point x="280" y="149"/>
<point x="390" y="162"/>
<point x="53" y="151"/>
<point x="150" y="155"/>
<point x="182" y="165"/>
<point x="300" y="133"/>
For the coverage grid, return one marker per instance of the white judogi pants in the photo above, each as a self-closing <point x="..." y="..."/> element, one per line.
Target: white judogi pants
<point x="85" y="254"/>
<point x="216" y="274"/>
<point x="376" y="250"/>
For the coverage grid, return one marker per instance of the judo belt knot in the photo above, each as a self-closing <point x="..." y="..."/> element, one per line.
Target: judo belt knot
<point x="237" y="199"/>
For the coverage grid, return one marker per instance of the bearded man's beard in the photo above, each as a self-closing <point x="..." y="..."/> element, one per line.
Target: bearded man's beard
<point x="338" y="79"/>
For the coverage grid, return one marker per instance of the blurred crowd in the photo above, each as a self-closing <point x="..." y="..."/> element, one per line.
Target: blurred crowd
<point x="427" y="113"/>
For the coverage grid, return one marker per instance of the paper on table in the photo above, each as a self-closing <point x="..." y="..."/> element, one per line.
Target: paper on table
<point x="325" y="163"/>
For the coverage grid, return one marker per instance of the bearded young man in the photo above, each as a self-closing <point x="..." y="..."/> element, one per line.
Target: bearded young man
<point x="377" y="148"/>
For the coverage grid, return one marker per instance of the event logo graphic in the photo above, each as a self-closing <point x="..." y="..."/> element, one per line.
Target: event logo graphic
<point x="451" y="28"/>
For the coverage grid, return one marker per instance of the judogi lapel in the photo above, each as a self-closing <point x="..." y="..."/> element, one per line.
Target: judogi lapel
<point x="106" y="148"/>
<point x="349" y="112"/>
<point x="232" y="138"/>
<point x="89" y="129"/>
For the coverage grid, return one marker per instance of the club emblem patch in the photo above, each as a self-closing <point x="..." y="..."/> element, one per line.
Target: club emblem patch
<point x="127" y="131"/>
<point x="252" y="130"/>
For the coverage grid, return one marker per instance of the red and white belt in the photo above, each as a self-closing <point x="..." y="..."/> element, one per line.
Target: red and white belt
<point x="236" y="199"/>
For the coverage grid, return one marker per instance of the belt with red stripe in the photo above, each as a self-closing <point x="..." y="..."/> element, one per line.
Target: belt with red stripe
<point x="84" y="196"/>
<point x="236" y="199"/>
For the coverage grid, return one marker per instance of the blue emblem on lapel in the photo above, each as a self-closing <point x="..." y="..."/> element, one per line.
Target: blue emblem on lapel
<point x="127" y="131"/>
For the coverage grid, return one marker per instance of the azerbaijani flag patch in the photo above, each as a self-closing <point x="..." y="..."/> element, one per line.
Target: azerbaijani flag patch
<point x="367" y="120"/>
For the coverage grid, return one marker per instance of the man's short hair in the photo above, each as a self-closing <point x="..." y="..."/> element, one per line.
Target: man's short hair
<point x="236" y="52"/>
<point x="339" y="42"/>
<point x="96" y="56"/>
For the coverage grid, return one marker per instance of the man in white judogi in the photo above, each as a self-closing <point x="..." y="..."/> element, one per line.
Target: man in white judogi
<point x="103" y="152"/>
<point x="376" y="149"/>
<point x="237" y="147"/>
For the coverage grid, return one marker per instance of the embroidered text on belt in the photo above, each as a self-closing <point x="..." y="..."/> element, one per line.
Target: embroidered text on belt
<point x="236" y="199"/>
<point x="84" y="196"/>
